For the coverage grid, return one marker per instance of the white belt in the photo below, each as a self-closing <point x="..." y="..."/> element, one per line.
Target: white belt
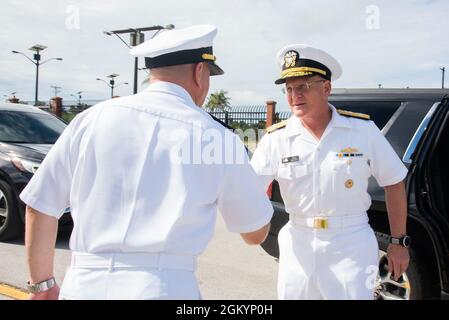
<point x="329" y="222"/>
<point x="110" y="261"/>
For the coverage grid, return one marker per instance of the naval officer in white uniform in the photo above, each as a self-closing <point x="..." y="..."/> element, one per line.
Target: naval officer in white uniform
<point x="322" y="159"/>
<point x="144" y="180"/>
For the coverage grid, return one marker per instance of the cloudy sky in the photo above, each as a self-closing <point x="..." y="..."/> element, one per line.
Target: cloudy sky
<point x="394" y="43"/>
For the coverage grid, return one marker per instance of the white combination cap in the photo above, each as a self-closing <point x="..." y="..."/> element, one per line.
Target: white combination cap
<point x="299" y="60"/>
<point x="180" y="46"/>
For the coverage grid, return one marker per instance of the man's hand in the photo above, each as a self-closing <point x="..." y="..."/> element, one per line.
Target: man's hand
<point x="50" y="294"/>
<point x="398" y="260"/>
<point x="258" y="236"/>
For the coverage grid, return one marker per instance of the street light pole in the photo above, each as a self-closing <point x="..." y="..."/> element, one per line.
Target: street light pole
<point x="137" y="37"/>
<point x="136" y="66"/>
<point x="111" y="83"/>
<point x="443" y="69"/>
<point x="79" y="97"/>
<point x="37" y="57"/>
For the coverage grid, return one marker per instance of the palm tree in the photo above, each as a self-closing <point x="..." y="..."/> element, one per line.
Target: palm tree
<point x="218" y="101"/>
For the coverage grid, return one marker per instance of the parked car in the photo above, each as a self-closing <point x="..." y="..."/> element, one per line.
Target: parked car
<point x="416" y="123"/>
<point x="26" y="135"/>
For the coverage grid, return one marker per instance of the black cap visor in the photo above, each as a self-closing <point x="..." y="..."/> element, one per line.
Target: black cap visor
<point x="215" y="70"/>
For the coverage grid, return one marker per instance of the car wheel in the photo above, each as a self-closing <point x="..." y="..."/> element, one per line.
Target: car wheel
<point x="11" y="225"/>
<point x="412" y="285"/>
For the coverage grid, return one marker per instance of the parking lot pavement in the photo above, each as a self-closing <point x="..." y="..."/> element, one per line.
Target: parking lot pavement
<point x="229" y="269"/>
<point x="13" y="269"/>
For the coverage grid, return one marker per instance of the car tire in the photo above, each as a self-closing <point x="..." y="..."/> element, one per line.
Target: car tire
<point x="11" y="226"/>
<point x="413" y="285"/>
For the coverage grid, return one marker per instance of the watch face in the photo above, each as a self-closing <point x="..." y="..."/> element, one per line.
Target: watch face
<point x="406" y="241"/>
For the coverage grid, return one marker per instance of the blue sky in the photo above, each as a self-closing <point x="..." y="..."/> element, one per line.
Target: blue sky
<point x="396" y="43"/>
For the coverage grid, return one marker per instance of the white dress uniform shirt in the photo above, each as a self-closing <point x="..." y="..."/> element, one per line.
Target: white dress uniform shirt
<point x="327" y="180"/>
<point x="321" y="178"/>
<point x="112" y="166"/>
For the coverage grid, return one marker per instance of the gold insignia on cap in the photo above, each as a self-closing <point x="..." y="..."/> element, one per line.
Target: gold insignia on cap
<point x="207" y="56"/>
<point x="349" y="183"/>
<point x="300" y="72"/>
<point x="290" y="59"/>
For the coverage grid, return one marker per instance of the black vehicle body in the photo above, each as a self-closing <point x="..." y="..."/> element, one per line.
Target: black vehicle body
<point x="416" y="123"/>
<point x="26" y="136"/>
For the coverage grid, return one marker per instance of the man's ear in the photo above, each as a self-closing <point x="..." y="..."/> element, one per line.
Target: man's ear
<point x="327" y="87"/>
<point x="198" y="73"/>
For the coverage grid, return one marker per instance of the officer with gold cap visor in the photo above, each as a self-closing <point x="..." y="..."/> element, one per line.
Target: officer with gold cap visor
<point x="322" y="159"/>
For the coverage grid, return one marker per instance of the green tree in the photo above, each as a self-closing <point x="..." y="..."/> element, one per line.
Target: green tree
<point x="68" y="116"/>
<point x="40" y="104"/>
<point x="218" y="101"/>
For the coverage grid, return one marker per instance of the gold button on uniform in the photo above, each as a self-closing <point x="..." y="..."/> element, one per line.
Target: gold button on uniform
<point x="349" y="183"/>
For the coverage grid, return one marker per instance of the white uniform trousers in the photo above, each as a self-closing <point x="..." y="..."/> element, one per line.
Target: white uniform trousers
<point x="339" y="262"/>
<point x="130" y="276"/>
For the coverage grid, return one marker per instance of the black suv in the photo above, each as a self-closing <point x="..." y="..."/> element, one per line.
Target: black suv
<point x="26" y="135"/>
<point x="416" y="123"/>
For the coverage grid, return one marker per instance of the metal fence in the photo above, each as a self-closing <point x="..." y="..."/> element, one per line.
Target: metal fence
<point x="250" y="115"/>
<point x="235" y="116"/>
<point x="283" y="115"/>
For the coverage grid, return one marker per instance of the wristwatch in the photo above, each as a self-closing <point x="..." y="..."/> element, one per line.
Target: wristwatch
<point x="41" y="286"/>
<point x="403" y="241"/>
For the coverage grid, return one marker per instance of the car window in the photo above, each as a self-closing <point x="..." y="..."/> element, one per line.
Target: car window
<point x="406" y="125"/>
<point x="29" y="127"/>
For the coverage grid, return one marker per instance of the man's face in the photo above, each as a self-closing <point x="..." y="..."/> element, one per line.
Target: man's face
<point x="306" y="93"/>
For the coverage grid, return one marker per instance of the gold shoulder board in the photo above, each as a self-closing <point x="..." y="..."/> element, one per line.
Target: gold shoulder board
<point x="354" y="114"/>
<point x="276" y="126"/>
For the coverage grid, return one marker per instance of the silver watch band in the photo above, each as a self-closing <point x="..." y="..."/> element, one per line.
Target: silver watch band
<point x="41" y="286"/>
<point x="395" y="241"/>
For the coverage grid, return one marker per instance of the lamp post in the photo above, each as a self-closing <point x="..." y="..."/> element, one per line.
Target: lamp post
<point x="443" y="70"/>
<point x="78" y="97"/>
<point x="111" y="83"/>
<point x="12" y="94"/>
<point x="137" y="37"/>
<point x="37" y="57"/>
<point x="11" y="98"/>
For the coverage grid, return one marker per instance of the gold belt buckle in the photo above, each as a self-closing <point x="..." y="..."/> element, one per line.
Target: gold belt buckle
<point x="320" y="223"/>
